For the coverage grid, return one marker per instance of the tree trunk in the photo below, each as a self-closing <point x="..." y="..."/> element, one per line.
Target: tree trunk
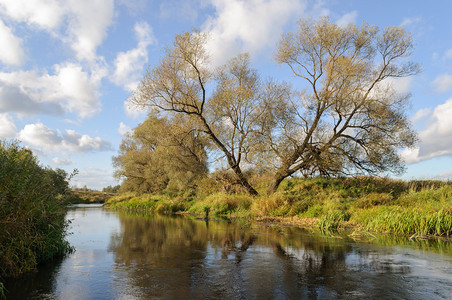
<point x="274" y="184"/>
<point x="244" y="182"/>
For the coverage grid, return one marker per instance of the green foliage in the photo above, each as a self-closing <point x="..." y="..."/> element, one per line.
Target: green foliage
<point x="87" y="196"/>
<point x="153" y="203"/>
<point x="374" y="204"/>
<point x="161" y="154"/>
<point x="223" y="204"/>
<point x="333" y="219"/>
<point x="32" y="211"/>
<point x="111" y="189"/>
<point x="396" y="219"/>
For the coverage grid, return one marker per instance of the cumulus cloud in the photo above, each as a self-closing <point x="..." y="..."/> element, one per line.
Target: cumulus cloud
<point x="248" y="26"/>
<point x="420" y="114"/>
<point x="41" y="137"/>
<point x="124" y="129"/>
<point x="82" y="24"/>
<point x="348" y="18"/>
<point x="61" y="161"/>
<point x="436" y="139"/>
<point x="129" y="65"/>
<point x="442" y="83"/>
<point x="8" y="128"/>
<point x="88" y="24"/>
<point x="69" y="89"/>
<point x="11" y="52"/>
<point x="46" y="14"/>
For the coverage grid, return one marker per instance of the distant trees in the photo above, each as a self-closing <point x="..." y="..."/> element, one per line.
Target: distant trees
<point x="344" y="118"/>
<point x="111" y="189"/>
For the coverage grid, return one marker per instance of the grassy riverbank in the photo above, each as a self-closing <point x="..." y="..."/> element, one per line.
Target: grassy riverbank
<point x="419" y="208"/>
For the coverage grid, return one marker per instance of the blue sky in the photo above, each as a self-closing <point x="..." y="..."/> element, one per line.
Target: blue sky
<point x="67" y="68"/>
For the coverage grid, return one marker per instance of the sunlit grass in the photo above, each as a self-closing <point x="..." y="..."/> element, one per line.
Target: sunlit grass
<point x="373" y="204"/>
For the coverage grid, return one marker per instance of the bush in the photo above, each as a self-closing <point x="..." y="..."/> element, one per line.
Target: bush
<point x="32" y="211"/>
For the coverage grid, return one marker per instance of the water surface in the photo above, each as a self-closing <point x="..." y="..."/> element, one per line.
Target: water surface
<point x="125" y="256"/>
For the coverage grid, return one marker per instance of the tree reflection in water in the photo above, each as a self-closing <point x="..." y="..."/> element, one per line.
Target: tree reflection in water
<point x="176" y="257"/>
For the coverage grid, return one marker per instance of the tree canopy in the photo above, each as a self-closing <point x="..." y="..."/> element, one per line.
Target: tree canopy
<point x="160" y="154"/>
<point x="342" y="117"/>
<point x="349" y="119"/>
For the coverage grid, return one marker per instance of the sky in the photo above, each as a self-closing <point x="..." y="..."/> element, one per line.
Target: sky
<point x="68" y="67"/>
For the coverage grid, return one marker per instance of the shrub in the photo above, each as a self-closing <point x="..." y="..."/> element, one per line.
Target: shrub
<point x="32" y="211"/>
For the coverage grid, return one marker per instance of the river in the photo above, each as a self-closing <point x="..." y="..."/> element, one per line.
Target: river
<point x="125" y="256"/>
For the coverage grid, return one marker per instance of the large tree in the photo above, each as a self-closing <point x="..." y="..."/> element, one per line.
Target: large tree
<point x="224" y="105"/>
<point x="161" y="154"/>
<point x="348" y="119"/>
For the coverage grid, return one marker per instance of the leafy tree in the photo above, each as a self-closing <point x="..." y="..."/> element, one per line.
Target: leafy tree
<point x="225" y="106"/>
<point x="111" y="189"/>
<point x="159" y="154"/>
<point x="348" y="119"/>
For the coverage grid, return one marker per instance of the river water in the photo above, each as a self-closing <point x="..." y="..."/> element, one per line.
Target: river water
<point x="125" y="256"/>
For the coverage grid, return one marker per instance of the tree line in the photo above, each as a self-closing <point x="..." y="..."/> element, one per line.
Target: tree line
<point x="342" y="117"/>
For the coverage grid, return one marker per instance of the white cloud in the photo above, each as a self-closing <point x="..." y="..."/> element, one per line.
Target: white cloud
<point x="436" y="139"/>
<point x="349" y="18"/>
<point x="134" y="111"/>
<point x="400" y="86"/>
<point x="444" y="176"/>
<point x="443" y="83"/>
<point x="420" y="114"/>
<point x="11" y="52"/>
<point x="129" y="65"/>
<point x="42" y="137"/>
<point x="8" y="128"/>
<point x="82" y="24"/>
<point x="88" y="24"/>
<point x="46" y="14"/>
<point x="70" y="89"/>
<point x="124" y="129"/>
<point x="84" y="143"/>
<point x="249" y="26"/>
<point x="410" y="21"/>
<point x="61" y="162"/>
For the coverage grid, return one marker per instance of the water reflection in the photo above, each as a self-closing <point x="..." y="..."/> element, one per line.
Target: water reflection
<point x="175" y="257"/>
<point x="125" y="256"/>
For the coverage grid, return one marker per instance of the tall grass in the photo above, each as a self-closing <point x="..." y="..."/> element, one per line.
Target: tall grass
<point x="32" y="211"/>
<point x="396" y="219"/>
<point x="374" y="204"/>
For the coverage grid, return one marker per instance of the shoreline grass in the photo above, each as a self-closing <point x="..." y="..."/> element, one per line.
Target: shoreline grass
<point x="415" y="208"/>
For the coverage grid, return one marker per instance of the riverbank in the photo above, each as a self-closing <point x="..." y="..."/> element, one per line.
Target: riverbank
<point x="33" y="228"/>
<point x="416" y="208"/>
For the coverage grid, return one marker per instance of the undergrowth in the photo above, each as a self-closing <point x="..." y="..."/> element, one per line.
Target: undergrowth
<point x="373" y="204"/>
